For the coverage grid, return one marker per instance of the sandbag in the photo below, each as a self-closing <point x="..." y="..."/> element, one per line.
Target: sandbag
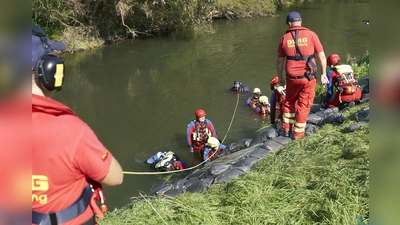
<point x="239" y="145"/>
<point x="179" y="184"/>
<point x="161" y="190"/>
<point x="198" y="186"/>
<point x="282" y="140"/>
<point x="217" y="169"/>
<point x="208" y="181"/>
<point x="332" y="118"/>
<point x="271" y="145"/>
<point x="174" y="192"/>
<point x="258" y="153"/>
<point x="246" y="163"/>
<point x="365" y="97"/>
<point x="191" y="181"/>
<point x="355" y="126"/>
<point x="268" y="134"/>
<point x="228" y="174"/>
<point x="362" y="114"/>
<point x="310" y="129"/>
<point x="313" y="118"/>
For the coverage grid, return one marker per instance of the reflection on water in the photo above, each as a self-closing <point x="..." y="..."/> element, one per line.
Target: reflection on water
<point x="139" y="95"/>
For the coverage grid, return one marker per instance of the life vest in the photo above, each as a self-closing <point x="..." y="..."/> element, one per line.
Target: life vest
<point x="345" y="81"/>
<point x="254" y="102"/>
<point x="202" y="132"/>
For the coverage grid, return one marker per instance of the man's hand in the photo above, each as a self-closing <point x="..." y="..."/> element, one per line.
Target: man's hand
<point x="191" y="149"/>
<point x="324" y="79"/>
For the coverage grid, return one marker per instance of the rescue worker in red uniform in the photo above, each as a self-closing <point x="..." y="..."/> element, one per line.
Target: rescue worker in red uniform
<point x="212" y="149"/>
<point x="298" y="45"/>
<point x="277" y="99"/>
<point x="69" y="163"/>
<point x="341" y="78"/>
<point x="253" y="102"/>
<point x="264" y="107"/>
<point x="198" y="132"/>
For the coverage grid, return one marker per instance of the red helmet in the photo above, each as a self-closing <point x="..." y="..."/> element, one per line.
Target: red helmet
<point x="333" y="59"/>
<point x="274" y="81"/>
<point x="200" y="113"/>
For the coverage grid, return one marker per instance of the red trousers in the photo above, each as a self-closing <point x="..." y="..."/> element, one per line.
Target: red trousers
<point x="343" y="98"/>
<point x="299" y="99"/>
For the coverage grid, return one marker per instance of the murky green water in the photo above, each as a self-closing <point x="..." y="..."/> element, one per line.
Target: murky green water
<point x="139" y="95"/>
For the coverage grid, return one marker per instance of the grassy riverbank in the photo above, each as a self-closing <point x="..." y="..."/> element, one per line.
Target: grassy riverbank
<point x="321" y="178"/>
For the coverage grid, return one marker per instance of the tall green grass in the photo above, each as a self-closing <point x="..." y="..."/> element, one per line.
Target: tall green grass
<point x="320" y="179"/>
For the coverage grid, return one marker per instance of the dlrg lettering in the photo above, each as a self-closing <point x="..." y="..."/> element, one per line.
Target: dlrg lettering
<point x="301" y="42"/>
<point x="39" y="183"/>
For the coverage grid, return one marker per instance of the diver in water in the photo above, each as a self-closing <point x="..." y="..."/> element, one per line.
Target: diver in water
<point x="166" y="161"/>
<point x="239" y="87"/>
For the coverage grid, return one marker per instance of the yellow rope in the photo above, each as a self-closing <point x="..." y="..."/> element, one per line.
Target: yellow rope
<point x="193" y="167"/>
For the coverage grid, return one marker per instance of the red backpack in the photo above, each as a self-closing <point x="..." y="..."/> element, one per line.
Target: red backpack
<point x="345" y="81"/>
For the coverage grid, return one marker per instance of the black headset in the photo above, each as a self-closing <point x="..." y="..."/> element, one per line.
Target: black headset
<point x="49" y="72"/>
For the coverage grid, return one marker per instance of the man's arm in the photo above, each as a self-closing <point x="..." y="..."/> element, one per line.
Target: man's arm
<point x="114" y="176"/>
<point x="322" y="61"/>
<point x="279" y="69"/>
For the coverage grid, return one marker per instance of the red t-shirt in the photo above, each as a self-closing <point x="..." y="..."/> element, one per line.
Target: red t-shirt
<point x="65" y="151"/>
<point x="308" y="43"/>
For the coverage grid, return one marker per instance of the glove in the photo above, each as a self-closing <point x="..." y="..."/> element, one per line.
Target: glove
<point x="191" y="149"/>
<point x="279" y="89"/>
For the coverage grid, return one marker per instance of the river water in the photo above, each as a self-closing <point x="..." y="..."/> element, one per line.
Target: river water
<point x="139" y="95"/>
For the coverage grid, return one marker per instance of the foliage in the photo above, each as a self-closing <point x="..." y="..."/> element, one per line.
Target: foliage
<point x="246" y="8"/>
<point x="96" y="22"/>
<point x="360" y="64"/>
<point x="320" y="179"/>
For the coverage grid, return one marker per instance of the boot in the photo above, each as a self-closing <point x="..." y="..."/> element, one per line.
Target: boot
<point x="285" y="133"/>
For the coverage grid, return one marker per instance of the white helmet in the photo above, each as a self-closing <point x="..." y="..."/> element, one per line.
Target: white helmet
<point x="257" y="90"/>
<point x="264" y="100"/>
<point x="213" y="142"/>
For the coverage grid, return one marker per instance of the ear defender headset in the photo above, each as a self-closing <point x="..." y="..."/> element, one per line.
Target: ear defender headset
<point x="49" y="72"/>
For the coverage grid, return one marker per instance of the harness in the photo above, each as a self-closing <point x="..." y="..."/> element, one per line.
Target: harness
<point x="202" y="132"/>
<point x="67" y="214"/>
<point x="311" y="67"/>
